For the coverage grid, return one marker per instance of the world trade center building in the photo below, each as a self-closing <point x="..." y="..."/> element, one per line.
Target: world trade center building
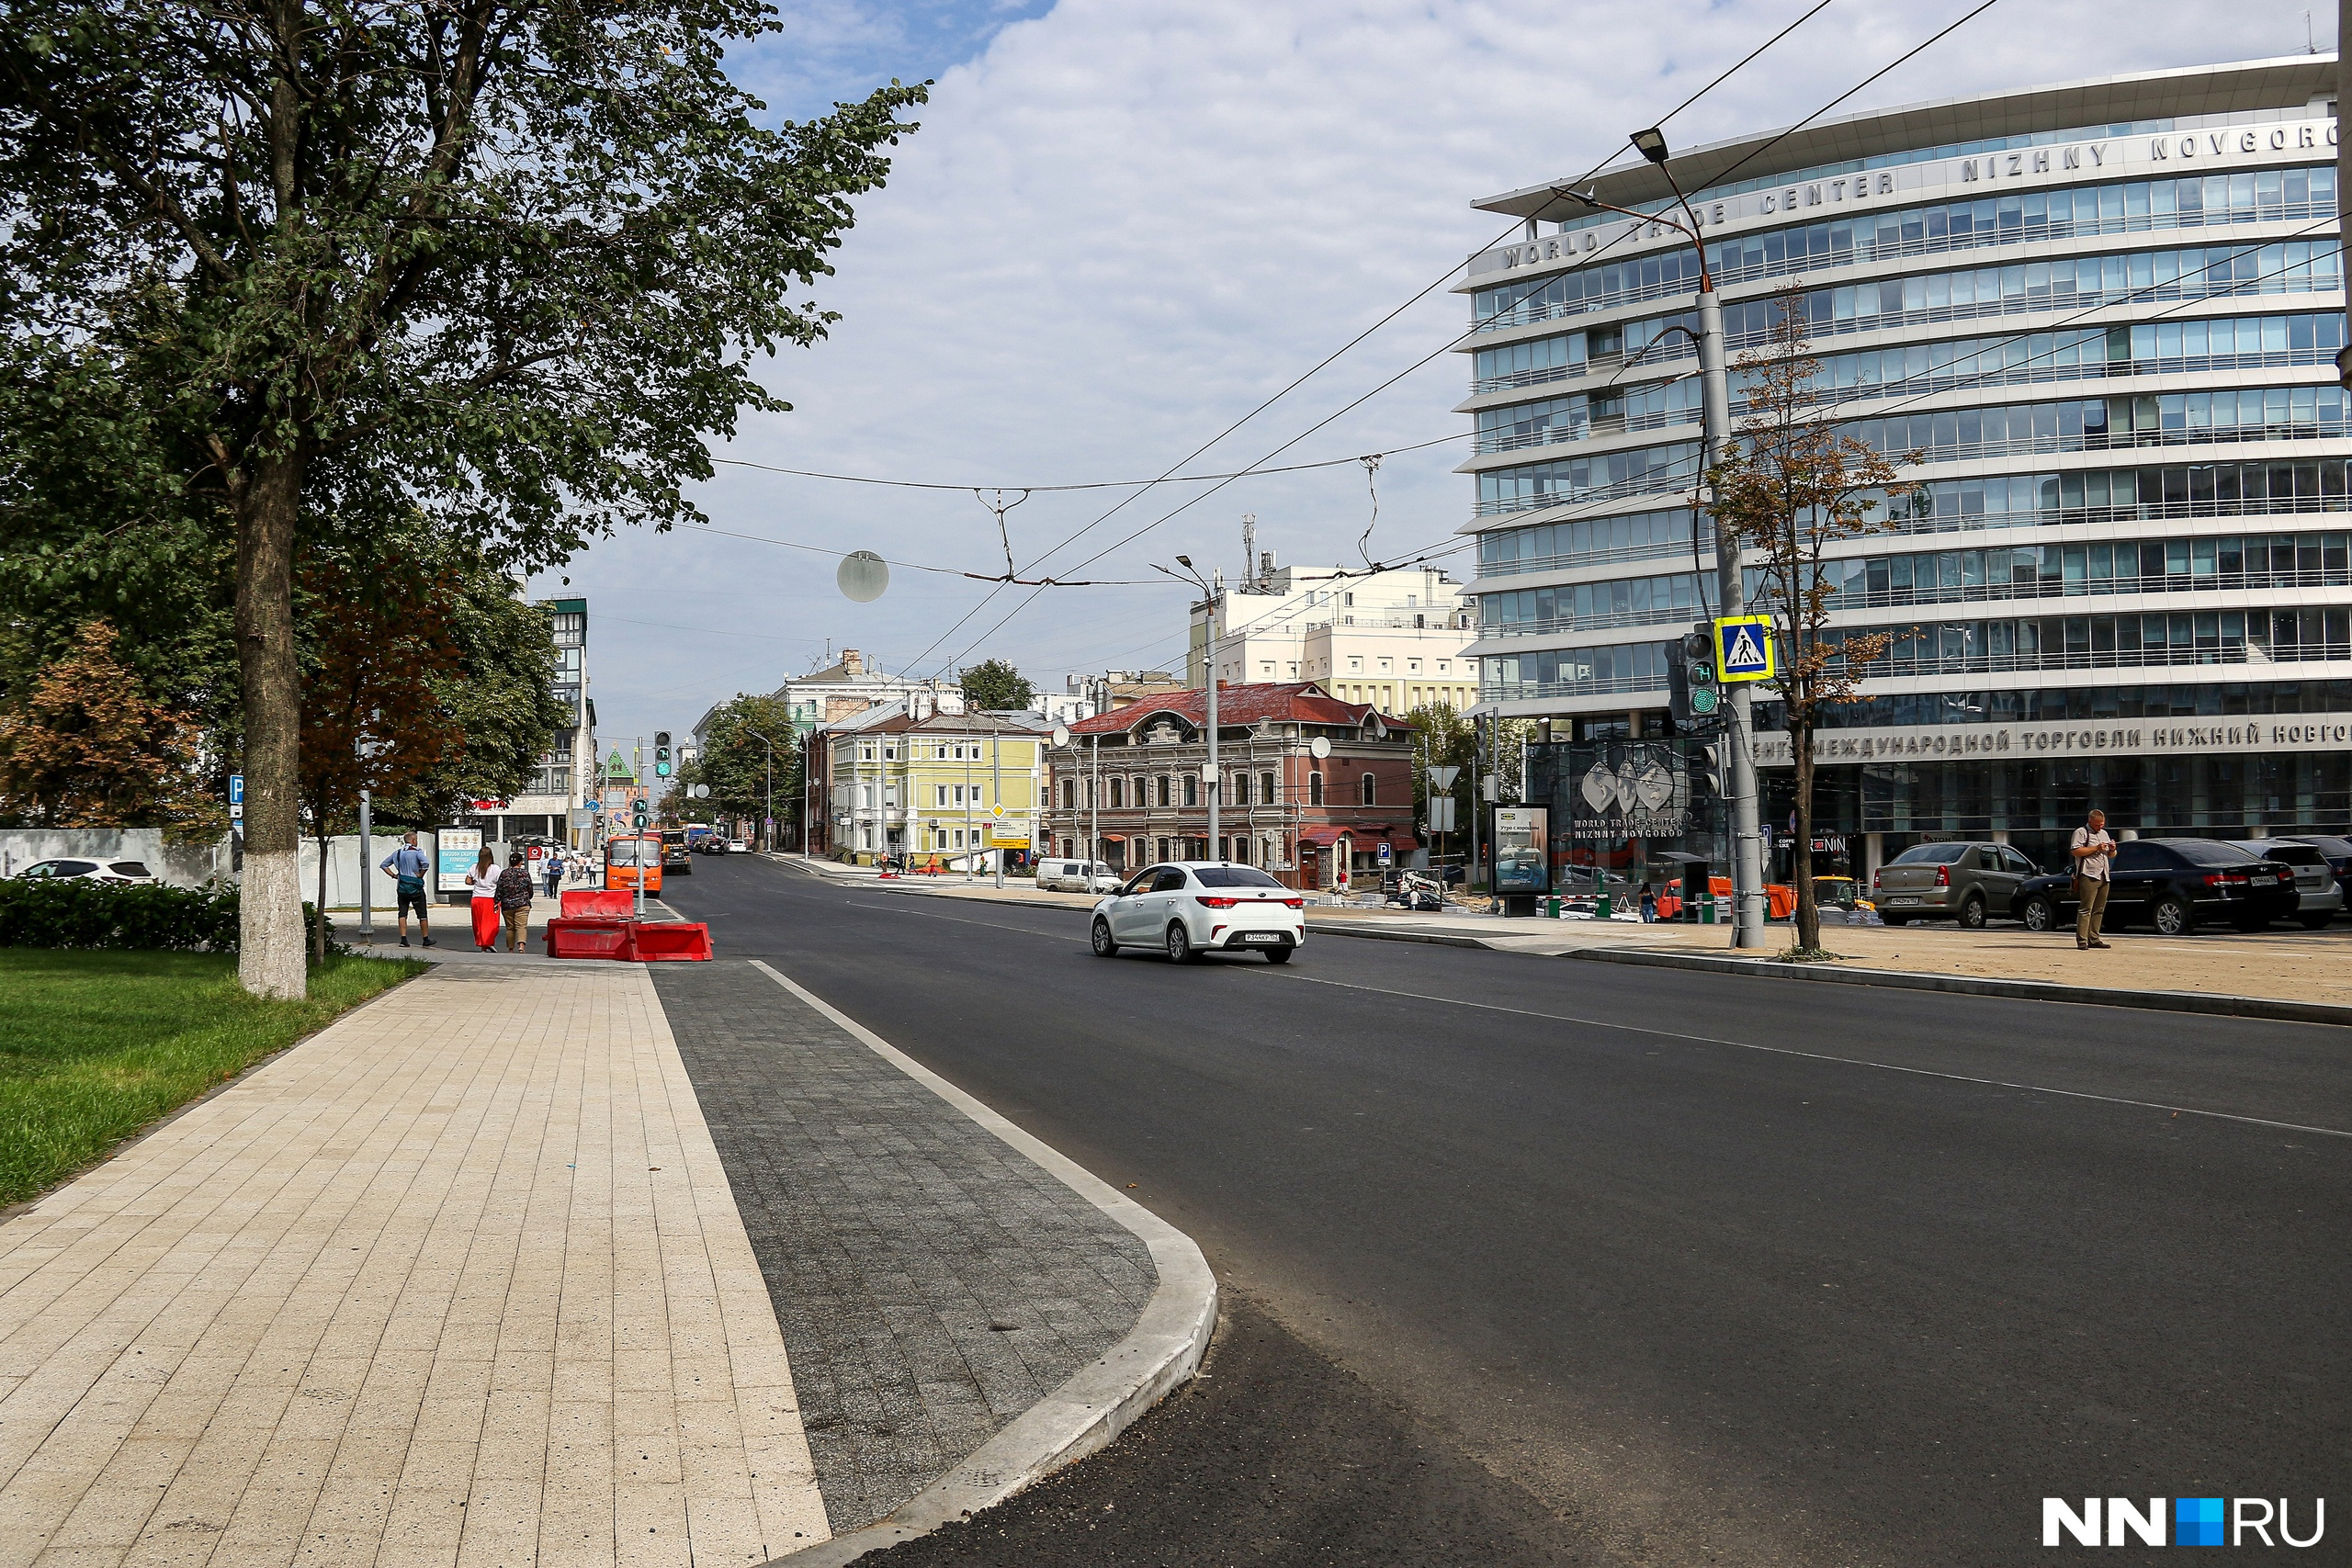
<point x="2103" y="316"/>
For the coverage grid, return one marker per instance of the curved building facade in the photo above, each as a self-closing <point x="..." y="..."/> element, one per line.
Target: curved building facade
<point x="2105" y="313"/>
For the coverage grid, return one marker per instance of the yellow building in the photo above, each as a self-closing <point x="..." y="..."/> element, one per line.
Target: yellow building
<point x="908" y="788"/>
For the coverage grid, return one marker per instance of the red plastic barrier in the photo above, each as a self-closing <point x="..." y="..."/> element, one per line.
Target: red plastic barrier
<point x="658" y="941"/>
<point x="601" y="938"/>
<point x="589" y="902"/>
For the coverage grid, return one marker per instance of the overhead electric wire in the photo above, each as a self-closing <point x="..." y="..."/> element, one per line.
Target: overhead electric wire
<point x="1096" y="484"/>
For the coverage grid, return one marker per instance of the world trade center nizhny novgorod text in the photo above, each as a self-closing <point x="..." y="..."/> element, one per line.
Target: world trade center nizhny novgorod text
<point x="2107" y="316"/>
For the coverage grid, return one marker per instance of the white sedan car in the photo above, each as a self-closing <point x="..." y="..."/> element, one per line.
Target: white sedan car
<point x="1190" y="907"/>
<point x="92" y="870"/>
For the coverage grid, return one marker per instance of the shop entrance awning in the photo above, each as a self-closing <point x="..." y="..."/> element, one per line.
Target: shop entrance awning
<point x="1322" y="835"/>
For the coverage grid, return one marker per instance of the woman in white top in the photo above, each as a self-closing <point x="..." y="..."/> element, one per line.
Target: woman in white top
<point x="483" y="883"/>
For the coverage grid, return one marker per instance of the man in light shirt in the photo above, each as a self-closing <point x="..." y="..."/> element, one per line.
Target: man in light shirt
<point x="2094" y="854"/>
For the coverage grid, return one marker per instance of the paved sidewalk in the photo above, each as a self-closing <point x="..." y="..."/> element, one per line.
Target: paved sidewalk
<point x="457" y="1281"/>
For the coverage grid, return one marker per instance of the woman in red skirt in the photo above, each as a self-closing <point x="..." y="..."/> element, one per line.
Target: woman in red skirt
<point x="483" y="881"/>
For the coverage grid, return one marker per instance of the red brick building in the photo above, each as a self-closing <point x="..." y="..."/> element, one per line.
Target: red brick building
<point x="1130" y="783"/>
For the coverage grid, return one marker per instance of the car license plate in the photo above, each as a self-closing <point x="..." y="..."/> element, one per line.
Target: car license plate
<point x="1263" y="936"/>
<point x="1904" y="898"/>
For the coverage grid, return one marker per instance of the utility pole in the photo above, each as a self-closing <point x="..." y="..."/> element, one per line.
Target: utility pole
<point x="996" y="799"/>
<point x="367" y="892"/>
<point x="964" y="745"/>
<point x="1094" y="801"/>
<point x="767" y="828"/>
<point x="1715" y="401"/>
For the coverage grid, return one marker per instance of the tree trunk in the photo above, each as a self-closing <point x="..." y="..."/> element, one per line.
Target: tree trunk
<point x="1800" y="862"/>
<point x="269" y="919"/>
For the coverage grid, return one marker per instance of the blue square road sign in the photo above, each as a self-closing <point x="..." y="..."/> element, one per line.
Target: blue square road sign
<point x="1744" y="648"/>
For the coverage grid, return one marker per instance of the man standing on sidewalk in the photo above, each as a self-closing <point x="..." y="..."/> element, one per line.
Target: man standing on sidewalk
<point x="2094" y="854"/>
<point x="514" y="901"/>
<point x="406" y="867"/>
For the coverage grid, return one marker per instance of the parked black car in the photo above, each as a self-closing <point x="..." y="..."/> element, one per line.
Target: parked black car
<point x="2171" y="884"/>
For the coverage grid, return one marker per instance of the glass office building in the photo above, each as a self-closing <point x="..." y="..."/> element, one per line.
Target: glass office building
<point x="2105" y="314"/>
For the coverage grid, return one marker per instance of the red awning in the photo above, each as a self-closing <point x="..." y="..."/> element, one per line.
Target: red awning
<point x="1322" y="835"/>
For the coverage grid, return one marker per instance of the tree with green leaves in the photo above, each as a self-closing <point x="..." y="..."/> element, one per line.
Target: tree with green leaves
<point x="996" y="685"/>
<point x="294" y="266"/>
<point x="750" y="750"/>
<point x="1791" y="485"/>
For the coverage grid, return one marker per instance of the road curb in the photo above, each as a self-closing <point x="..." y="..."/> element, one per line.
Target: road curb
<point x="1096" y="1403"/>
<point x="2211" y="1004"/>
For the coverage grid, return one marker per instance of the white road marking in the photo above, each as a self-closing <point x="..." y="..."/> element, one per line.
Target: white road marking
<point x="1821" y="1057"/>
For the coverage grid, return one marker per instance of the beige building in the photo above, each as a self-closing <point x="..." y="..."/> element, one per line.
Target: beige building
<point x="1393" y="640"/>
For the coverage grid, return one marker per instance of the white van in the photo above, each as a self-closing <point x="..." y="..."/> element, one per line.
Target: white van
<point x="1072" y="876"/>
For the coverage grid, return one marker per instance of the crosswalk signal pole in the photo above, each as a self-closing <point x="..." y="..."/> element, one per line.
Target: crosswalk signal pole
<point x="1714" y="403"/>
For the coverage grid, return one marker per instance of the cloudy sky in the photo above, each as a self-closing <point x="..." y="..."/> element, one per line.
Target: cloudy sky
<point x="1123" y="226"/>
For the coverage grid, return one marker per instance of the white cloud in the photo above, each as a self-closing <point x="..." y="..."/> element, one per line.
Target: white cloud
<point x="1122" y="226"/>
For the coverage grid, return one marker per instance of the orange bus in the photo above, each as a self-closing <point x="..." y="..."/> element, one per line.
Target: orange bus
<point x="628" y="856"/>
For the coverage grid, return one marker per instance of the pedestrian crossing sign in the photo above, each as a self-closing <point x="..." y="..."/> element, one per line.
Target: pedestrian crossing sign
<point x="1744" y="648"/>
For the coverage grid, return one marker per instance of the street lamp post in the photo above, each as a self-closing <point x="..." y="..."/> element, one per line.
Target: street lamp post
<point x="768" y="823"/>
<point x="1213" y="781"/>
<point x="1714" y="403"/>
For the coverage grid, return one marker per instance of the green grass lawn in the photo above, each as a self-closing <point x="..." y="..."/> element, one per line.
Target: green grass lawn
<point x="93" y="1046"/>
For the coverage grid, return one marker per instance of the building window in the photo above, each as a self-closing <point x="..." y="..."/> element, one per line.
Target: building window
<point x="1163" y="851"/>
<point x="1191" y="789"/>
<point x="1118" y="793"/>
<point x="1241" y="789"/>
<point x="1266" y="789"/>
<point x="1070" y="798"/>
<point x="1241" y="850"/>
<point x="1069" y="849"/>
<point x="940" y="794"/>
<point x="1370" y="789"/>
<point x="1160" y="794"/>
<point x="1314" y="789"/>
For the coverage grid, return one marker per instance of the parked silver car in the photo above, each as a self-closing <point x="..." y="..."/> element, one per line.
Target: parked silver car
<point x="2318" y="898"/>
<point x="1963" y="880"/>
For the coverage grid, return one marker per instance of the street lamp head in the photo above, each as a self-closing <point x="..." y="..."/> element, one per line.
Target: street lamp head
<point x="1650" y="144"/>
<point x="1184" y="560"/>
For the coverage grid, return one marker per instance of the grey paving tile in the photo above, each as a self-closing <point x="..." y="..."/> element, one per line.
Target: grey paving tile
<point x="893" y="1234"/>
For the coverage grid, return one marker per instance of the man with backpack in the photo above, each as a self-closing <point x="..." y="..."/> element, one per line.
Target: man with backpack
<point x="406" y="866"/>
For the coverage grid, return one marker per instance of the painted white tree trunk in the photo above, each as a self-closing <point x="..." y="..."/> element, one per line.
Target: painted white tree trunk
<point x="270" y="960"/>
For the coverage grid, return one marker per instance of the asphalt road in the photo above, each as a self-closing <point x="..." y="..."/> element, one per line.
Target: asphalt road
<point x="1681" y="1269"/>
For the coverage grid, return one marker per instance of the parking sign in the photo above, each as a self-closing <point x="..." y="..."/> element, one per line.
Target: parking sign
<point x="1744" y="648"/>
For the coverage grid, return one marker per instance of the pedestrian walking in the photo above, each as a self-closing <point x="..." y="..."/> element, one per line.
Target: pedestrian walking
<point x="1649" y="904"/>
<point x="2094" y="854"/>
<point x="482" y="882"/>
<point x="555" y="872"/>
<point x="514" y="901"/>
<point x="406" y="867"/>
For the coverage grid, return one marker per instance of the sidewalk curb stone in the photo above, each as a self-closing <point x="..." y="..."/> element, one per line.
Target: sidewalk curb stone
<point x="2211" y="1003"/>
<point x="1096" y="1403"/>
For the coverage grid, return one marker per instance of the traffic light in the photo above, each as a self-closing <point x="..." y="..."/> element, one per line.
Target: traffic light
<point x="661" y="753"/>
<point x="1711" y="764"/>
<point x="1692" y="692"/>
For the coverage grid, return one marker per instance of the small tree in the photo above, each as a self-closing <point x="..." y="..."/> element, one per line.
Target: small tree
<point x="372" y="717"/>
<point x="996" y="685"/>
<point x="87" y="749"/>
<point x="1791" y="485"/>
